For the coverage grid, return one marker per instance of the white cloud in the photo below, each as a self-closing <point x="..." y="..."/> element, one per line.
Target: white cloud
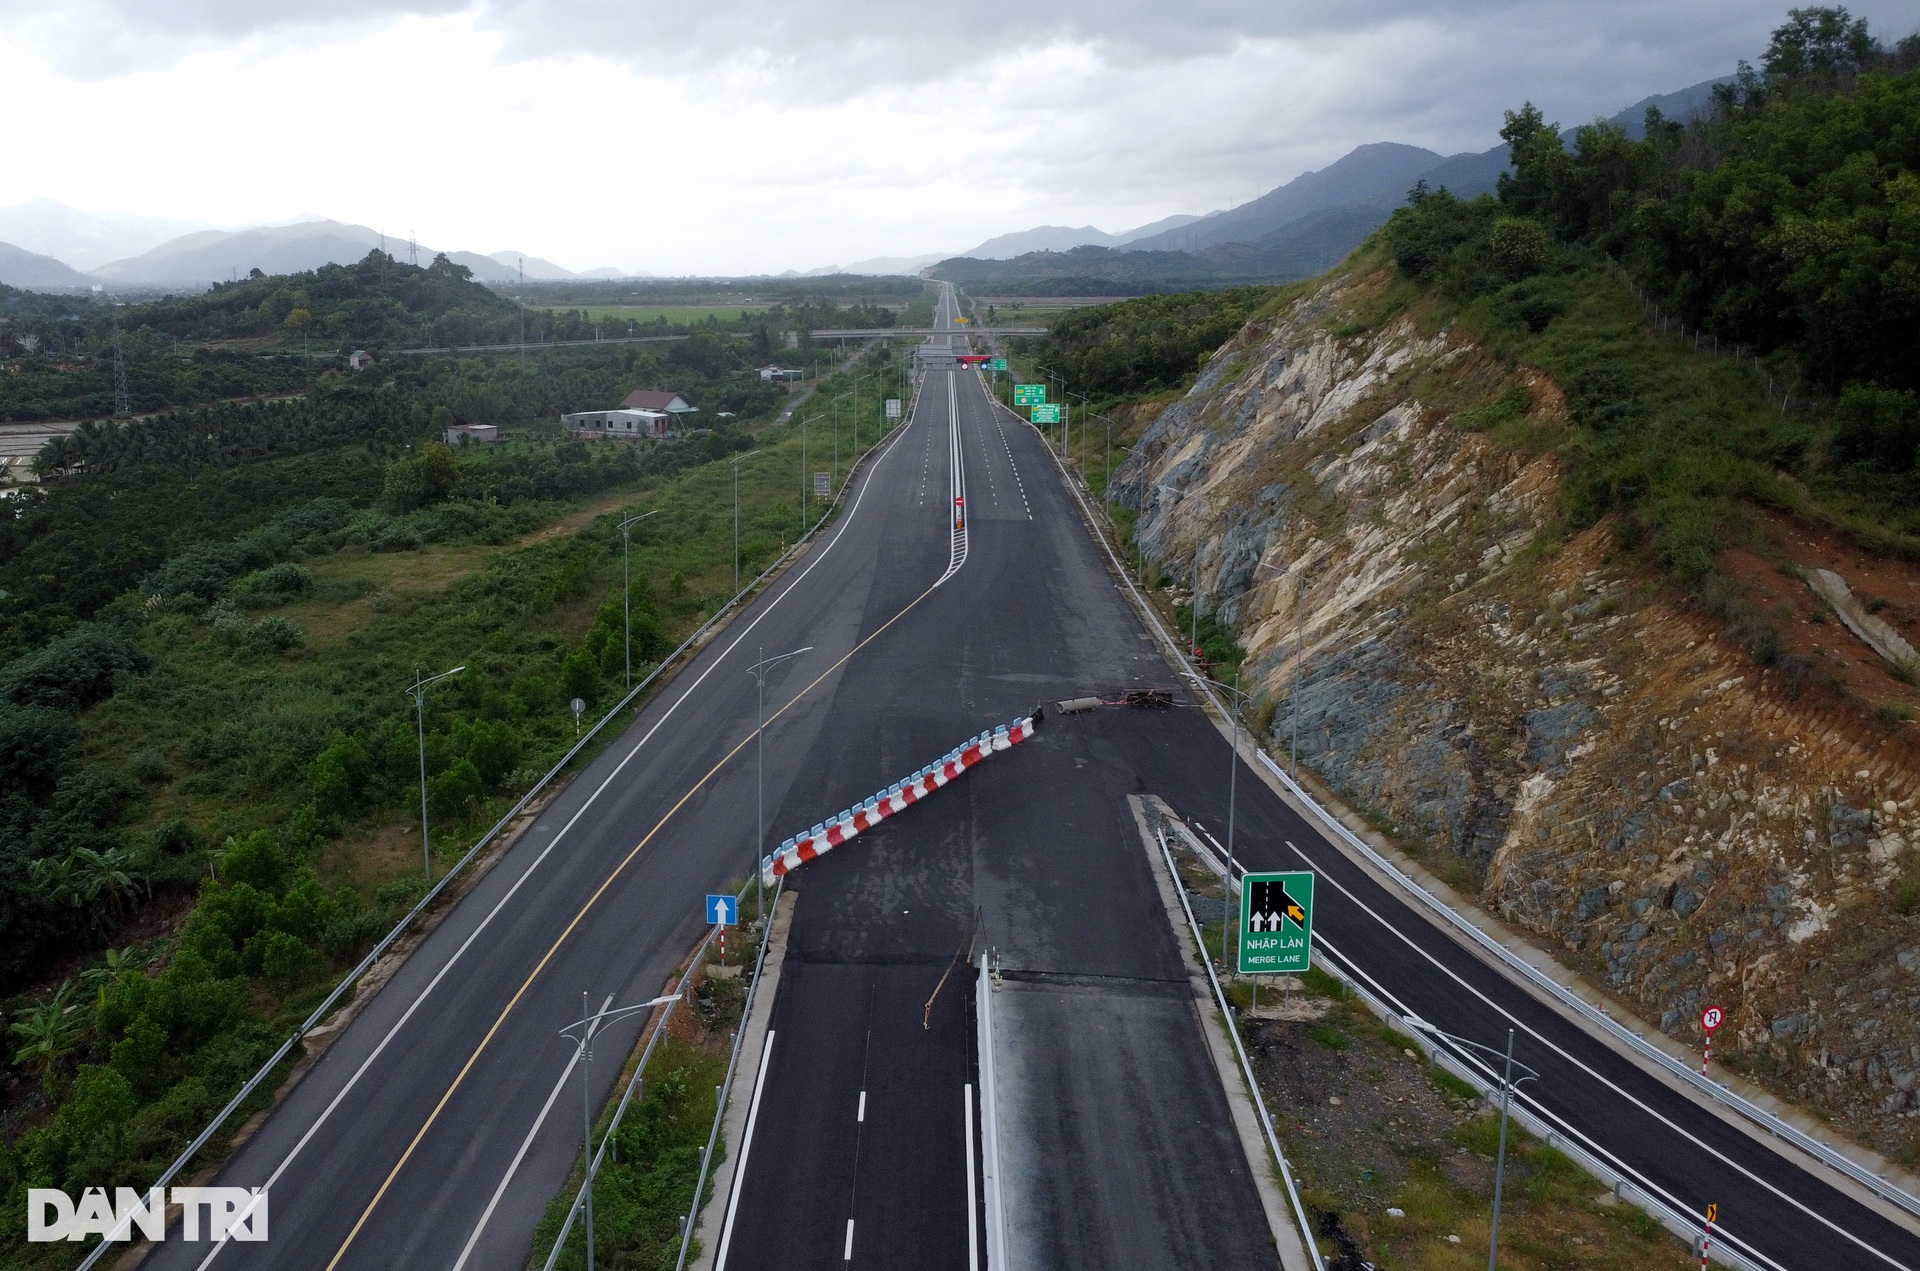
<point x="761" y="135"/>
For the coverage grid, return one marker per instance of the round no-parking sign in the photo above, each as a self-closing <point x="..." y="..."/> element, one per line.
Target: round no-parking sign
<point x="1711" y="1017"/>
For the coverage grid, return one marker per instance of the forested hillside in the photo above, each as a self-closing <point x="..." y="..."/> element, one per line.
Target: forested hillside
<point x="1785" y="227"/>
<point x="275" y="336"/>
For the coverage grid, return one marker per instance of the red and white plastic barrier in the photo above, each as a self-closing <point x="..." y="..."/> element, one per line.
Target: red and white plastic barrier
<point x="836" y="830"/>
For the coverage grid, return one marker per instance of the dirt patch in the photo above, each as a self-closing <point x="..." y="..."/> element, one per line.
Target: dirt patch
<point x="367" y="861"/>
<point x="1837" y="660"/>
<point x="1396" y="1161"/>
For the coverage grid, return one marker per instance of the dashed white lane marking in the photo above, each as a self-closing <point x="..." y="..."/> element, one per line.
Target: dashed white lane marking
<point x="998" y="427"/>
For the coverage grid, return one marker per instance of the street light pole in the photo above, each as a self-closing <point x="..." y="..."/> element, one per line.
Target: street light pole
<point x="759" y="673"/>
<point x="1507" y="1086"/>
<point x="587" y="1025"/>
<point x="420" y="718"/>
<point x="736" y="525"/>
<point x="1500" y="1162"/>
<point x="626" y="585"/>
<point x="1239" y="700"/>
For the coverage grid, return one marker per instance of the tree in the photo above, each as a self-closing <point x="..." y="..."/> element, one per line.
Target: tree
<point x="1818" y="46"/>
<point x="404" y="487"/>
<point x="439" y="471"/>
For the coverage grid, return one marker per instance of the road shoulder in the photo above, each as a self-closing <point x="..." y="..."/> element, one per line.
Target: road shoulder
<point x="1287" y="1238"/>
<point x="753" y="1051"/>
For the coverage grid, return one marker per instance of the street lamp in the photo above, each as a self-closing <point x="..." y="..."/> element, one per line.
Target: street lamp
<point x="420" y="718"/>
<point x="1507" y="1086"/>
<point x="626" y="582"/>
<point x="759" y="673"/>
<point x="586" y="1027"/>
<point x="1240" y="699"/>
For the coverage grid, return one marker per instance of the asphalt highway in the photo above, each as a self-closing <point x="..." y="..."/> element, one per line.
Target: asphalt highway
<point x="1119" y="1149"/>
<point x="438" y="1125"/>
<point x="429" y="1134"/>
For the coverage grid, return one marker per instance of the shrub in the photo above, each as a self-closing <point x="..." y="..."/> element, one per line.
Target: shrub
<point x="36" y="747"/>
<point x="339" y="776"/>
<point x="1877" y="426"/>
<point x="580" y="676"/>
<point x="1517" y="247"/>
<point x="274" y="584"/>
<point x="454" y="792"/>
<point x="75" y="670"/>
<point x="274" y="634"/>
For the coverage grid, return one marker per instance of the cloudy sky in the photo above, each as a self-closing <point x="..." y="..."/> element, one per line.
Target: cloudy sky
<point x="759" y="135"/>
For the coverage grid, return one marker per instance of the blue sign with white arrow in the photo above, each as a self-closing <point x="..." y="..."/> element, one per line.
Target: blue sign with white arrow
<point x="722" y="910"/>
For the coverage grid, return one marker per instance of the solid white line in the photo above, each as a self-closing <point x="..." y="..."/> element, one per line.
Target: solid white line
<point x="973" y="1213"/>
<point x="537" y="861"/>
<point x="990" y="1125"/>
<point x="1530" y="1031"/>
<point x="525" y="1143"/>
<point x="746" y="1145"/>
<point x="848" y="1255"/>
<point x="862" y="1114"/>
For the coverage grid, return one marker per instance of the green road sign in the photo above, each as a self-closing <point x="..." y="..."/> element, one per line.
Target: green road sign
<point x="1276" y="923"/>
<point x="1029" y="394"/>
<point x="1046" y="414"/>
<point x="998" y="364"/>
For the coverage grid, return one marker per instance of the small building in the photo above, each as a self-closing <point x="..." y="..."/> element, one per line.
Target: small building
<point x="622" y="425"/>
<point x="462" y="434"/>
<point x="772" y="373"/>
<point x="359" y="360"/>
<point x="658" y="399"/>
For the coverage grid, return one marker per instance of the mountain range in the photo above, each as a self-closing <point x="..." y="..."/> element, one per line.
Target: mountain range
<point x="1294" y="231"/>
<point x="192" y="259"/>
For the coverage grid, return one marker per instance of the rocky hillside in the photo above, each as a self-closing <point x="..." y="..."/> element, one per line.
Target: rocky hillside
<point x="1544" y="719"/>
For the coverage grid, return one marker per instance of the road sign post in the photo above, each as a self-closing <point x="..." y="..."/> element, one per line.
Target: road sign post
<point x="1710" y="1019"/>
<point x="1046" y="414"/>
<point x="998" y="364"/>
<point x="1276" y="923"/>
<point x="722" y="912"/>
<point x="893" y="408"/>
<point x="1029" y="394"/>
<point x="822" y="484"/>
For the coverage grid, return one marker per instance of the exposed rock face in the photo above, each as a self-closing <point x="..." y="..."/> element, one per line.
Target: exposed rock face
<point x="1534" y="715"/>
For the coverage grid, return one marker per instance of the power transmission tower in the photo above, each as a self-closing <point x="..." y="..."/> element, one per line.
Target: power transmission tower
<point x="413" y="252"/>
<point x="522" y="301"/>
<point x="121" y="406"/>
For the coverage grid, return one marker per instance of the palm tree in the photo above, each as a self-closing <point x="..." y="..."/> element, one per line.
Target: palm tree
<point x="55" y="457"/>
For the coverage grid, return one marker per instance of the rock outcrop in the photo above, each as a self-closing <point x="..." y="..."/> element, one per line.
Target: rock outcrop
<point x="1536" y="714"/>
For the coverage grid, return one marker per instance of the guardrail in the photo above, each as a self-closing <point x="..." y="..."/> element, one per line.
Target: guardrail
<point x="1686" y="1225"/>
<point x="1246" y="1068"/>
<point x="1772" y="1124"/>
<point x="1775" y="1126"/>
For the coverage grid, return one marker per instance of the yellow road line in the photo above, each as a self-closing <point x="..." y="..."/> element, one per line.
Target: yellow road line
<point x="591" y="901"/>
